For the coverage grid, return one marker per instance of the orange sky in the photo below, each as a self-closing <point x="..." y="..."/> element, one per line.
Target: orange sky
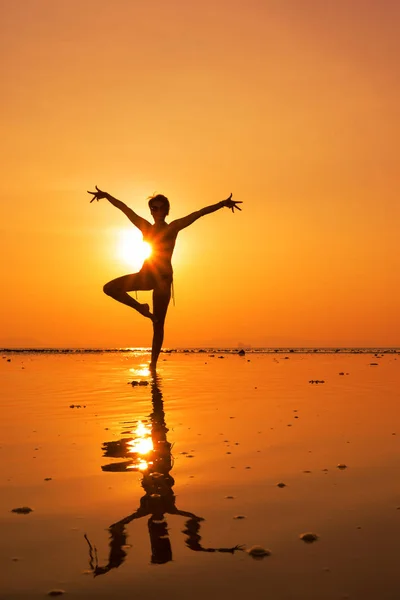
<point x="292" y="105"/>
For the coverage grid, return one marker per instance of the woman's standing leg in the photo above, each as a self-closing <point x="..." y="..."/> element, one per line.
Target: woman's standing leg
<point x="161" y="298"/>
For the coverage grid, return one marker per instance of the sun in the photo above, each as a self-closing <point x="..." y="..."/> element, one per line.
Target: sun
<point x="132" y="250"/>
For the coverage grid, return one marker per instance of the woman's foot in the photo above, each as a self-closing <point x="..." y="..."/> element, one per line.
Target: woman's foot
<point x="144" y="310"/>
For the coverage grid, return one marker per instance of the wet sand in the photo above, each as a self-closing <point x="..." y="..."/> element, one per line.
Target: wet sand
<point x="207" y="441"/>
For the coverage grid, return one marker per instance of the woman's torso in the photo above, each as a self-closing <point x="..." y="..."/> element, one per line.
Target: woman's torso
<point x="162" y="241"/>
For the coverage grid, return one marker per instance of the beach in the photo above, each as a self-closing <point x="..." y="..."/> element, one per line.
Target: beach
<point x="185" y="466"/>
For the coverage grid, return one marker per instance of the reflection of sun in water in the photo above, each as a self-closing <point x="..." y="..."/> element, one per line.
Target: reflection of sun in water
<point x="131" y="248"/>
<point x="143" y="370"/>
<point x="142" y="444"/>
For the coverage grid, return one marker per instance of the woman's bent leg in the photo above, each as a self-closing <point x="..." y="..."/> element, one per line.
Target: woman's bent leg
<point x="118" y="289"/>
<point x="161" y="298"/>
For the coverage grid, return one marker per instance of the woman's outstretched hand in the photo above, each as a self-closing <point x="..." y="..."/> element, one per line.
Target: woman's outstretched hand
<point x="232" y="204"/>
<point x="98" y="195"/>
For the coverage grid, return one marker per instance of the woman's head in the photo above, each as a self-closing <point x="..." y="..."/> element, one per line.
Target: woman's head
<point x="159" y="205"/>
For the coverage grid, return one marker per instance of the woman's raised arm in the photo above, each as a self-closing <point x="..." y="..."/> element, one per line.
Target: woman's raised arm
<point x="189" y="219"/>
<point x="138" y="221"/>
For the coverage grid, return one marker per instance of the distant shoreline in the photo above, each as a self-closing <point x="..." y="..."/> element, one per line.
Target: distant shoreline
<point x="220" y="350"/>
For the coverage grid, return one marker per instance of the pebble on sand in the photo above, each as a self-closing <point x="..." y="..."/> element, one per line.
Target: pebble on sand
<point x="281" y="484"/>
<point x="239" y="517"/>
<point x="22" y="510"/>
<point x="56" y="592"/>
<point x="341" y="466"/>
<point x="258" y="552"/>
<point x="309" y="537"/>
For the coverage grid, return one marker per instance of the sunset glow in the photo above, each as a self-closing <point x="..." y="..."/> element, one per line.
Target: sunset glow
<point x="142" y="445"/>
<point x="132" y="250"/>
<point x="292" y="106"/>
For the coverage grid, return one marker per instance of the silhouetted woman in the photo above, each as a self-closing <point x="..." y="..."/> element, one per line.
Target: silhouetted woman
<point x="156" y="272"/>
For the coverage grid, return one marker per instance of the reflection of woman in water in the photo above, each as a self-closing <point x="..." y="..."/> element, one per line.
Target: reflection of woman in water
<point x="158" y="500"/>
<point x="156" y="272"/>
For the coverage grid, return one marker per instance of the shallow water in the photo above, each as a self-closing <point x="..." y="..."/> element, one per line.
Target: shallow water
<point x="218" y="428"/>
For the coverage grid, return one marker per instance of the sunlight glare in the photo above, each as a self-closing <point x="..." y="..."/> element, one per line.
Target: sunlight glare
<point x="141" y="444"/>
<point x="132" y="250"/>
<point x="144" y="371"/>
